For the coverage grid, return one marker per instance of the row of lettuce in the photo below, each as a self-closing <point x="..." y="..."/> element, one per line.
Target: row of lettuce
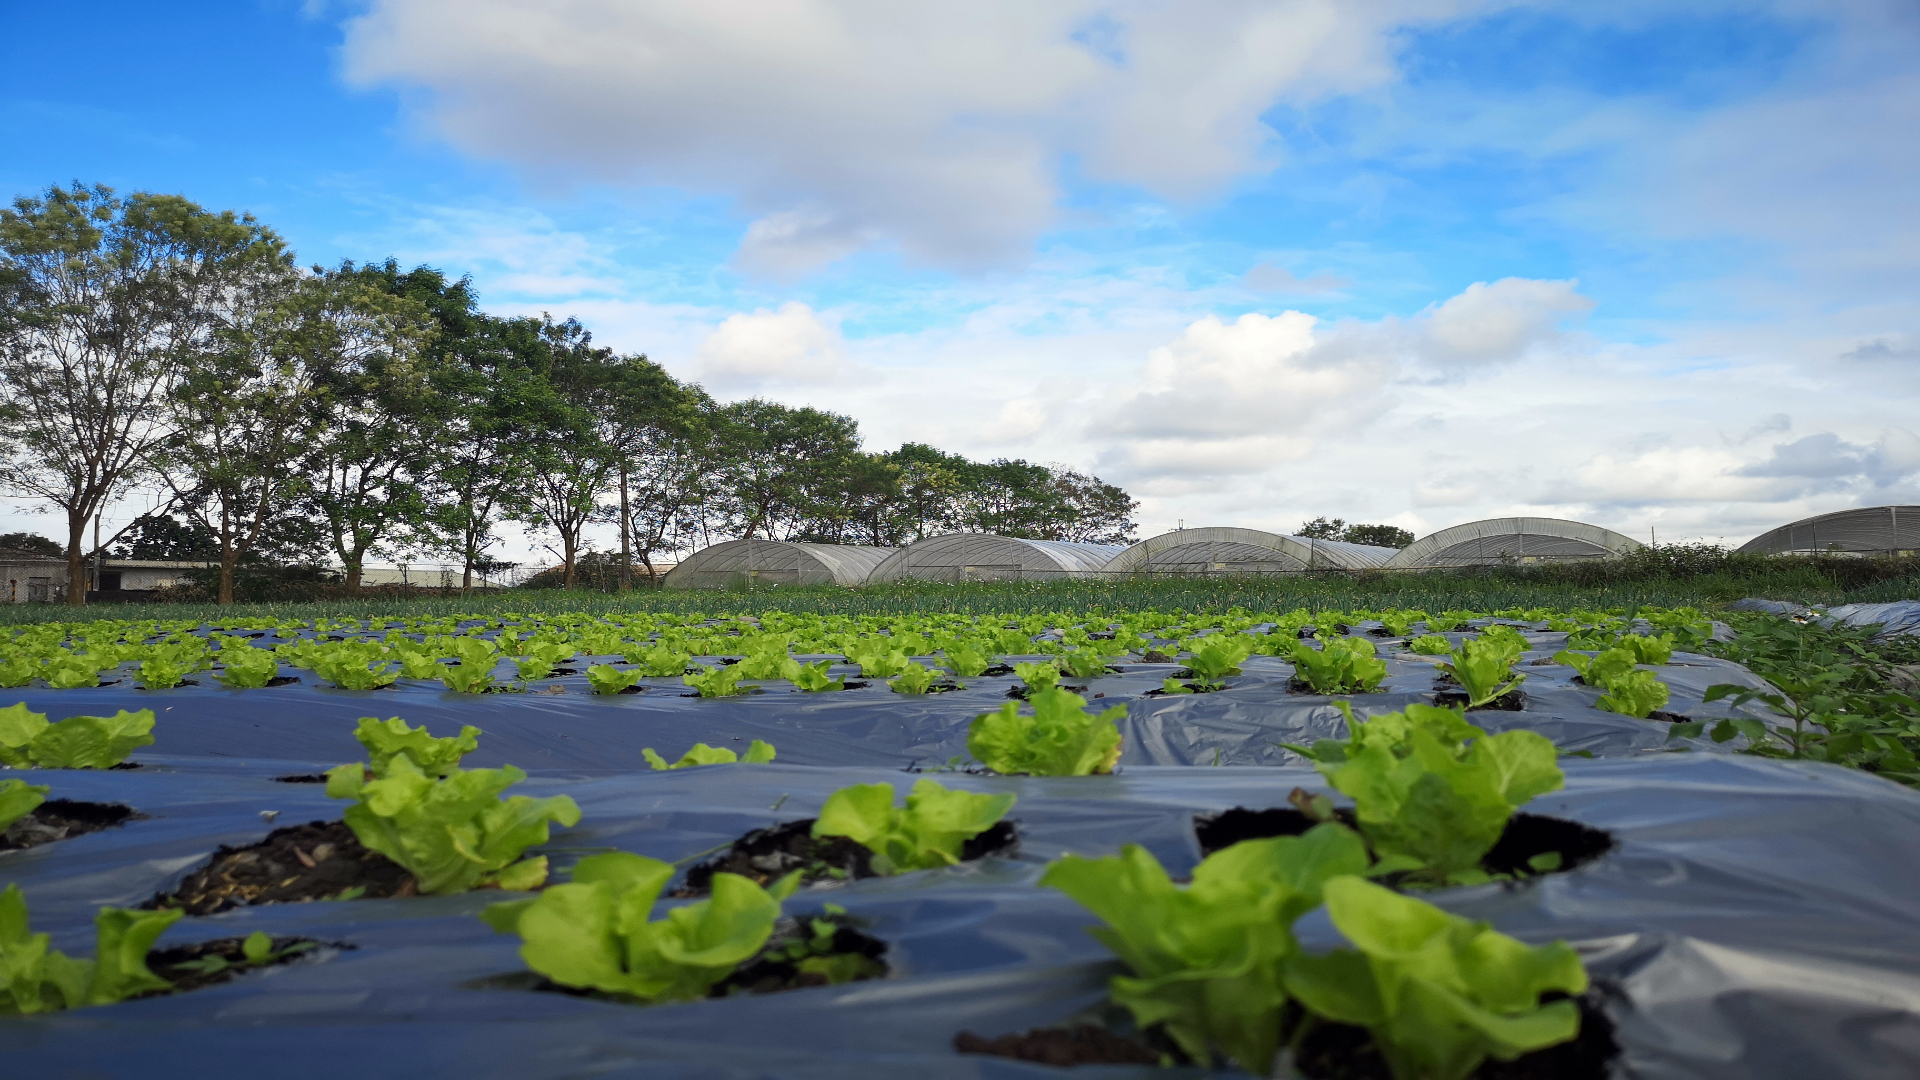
<point x="1213" y="963"/>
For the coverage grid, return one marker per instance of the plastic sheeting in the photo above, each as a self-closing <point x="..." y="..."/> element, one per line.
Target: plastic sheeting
<point x="1760" y="919"/>
<point x="1894" y="617"/>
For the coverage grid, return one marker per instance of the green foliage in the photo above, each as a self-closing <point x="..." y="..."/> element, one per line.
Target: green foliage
<point x="758" y="753"/>
<point x="163" y="674"/>
<point x="1216" y="656"/>
<point x="1636" y="694"/>
<point x="929" y="832"/>
<point x="17" y="671"/>
<point x="1431" y="645"/>
<point x="1059" y="738"/>
<point x="814" y="678"/>
<point x="917" y="679"/>
<point x="36" y="979"/>
<point x="352" y="665"/>
<point x="1440" y="994"/>
<point x="1044" y="676"/>
<point x="244" y="667"/>
<point x="69" y="673"/>
<point x="661" y="662"/>
<point x="455" y="833"/>
<point x="78" y="742"/>
<point x="392" y="737"/>
<point x="1342" y="665"/>
<point x="1207" y="961"/>
<point x="1481" y="666"/>
<point x="966" y="661"/>
<point x="593" y="933"/>
<point x="607" y="679"/>
<point x="717" y="682"/>
<point x="1085" y="663"/>
<point x="1432" y="792"/>
<point x="1647" y="650"/>
<point x="18" y="799"/>
<point x="256" y="951"/>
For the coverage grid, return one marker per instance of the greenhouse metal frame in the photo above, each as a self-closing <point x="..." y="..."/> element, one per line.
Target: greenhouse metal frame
<point x="1867" y="530"/>
<point x="1243" y="551"/>
<point x="991" y="557"/>
<point x="1518" y="539"/>
<point x="775" y="562"/>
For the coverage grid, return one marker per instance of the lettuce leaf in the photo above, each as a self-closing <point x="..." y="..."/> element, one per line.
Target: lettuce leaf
<point x="1059" y="739"/>
<point x="929" y="832"/>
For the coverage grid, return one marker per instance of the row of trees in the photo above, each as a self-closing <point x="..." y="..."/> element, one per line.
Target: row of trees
<point x="288" y="414"/>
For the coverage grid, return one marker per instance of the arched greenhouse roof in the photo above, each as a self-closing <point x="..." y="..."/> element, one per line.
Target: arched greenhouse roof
<point x="1522" y="539"/>
<point x="1867" y="529"/>
<point x="775" y="562"/>
<point x="1242" y="551"/>
<point x="988" y="557"/>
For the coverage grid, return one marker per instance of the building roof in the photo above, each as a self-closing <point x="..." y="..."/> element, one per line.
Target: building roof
<point x="960" y="555"/>
<point x="1227" y="550"/>
<point x="1493" y="540"/>
<point x="777" y="562"/>
<point x="1864" y="529"/>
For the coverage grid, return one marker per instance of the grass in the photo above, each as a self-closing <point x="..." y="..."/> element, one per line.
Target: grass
<point x="1620" y="583"/>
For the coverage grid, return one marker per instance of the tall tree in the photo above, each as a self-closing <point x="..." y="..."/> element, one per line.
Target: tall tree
<point x="662" y="437"/>
<point x="106" y="298"/>
<point x="570" y="461"/>
<point x="781" y="464"/>
<point x="1088" y="510"/>
<point x="368" y="464"/>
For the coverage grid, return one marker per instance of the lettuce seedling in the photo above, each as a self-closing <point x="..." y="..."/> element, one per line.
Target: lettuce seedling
<point x="1207" y="961"/>
<point x="70" y="673"/>
<point x="346" y="666"/>
<point x="244" y="667"/>
<point x="593" y="934"/>
<point x="879" y="661"/>
<point x="18" y="671"/>
<point x="158" y="674"/>
<point x="454" y="833"/>
<point x="1217" y="656"/>
<point x="929" y="832"/>
<point x="1647" y="650"/>
<point x="1636" y="694"/>
<point x="1171" y="685"/>
<point x="758" y="753"/>
<point x="1432" y="792"/>
<point x="1344" y="665"/>
<point x="717" y="682"/>
<point x="392" y="737"/>
<point x="607" y="679"/>
<point x="1481" y="664"/>
<point x="1085" y="663"/>
<point x="917" y="679"/>
<point x="36" y="979"/>
<point x="1599" y="670"/>
<point x="18" y="799"/>
<point x="1440" y="994"/>
<point x="256" y="951"/>
<point x="814" y="678"/>
<point x="661" y="662"/>
<point x="1038" y="676"/>
<point x="1060" y="738"/>
<point x="1431" y="645"/>
<point x="416" y="663"/>
<point x="78" y="742"/>
<point x="966" y="661"/>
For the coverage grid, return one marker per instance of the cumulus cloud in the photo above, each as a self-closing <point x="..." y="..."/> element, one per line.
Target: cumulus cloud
<point x="1492" y="323"/>
<point x="788" y="347"/>
<point x="841" y="124"/>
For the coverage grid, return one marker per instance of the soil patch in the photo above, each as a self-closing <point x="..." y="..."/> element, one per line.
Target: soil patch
<point x="210" y="963"/>
<point x="283" y="680"/>
<point x="301" y="778"/>
<point x="1021" y="691"/>
<point x="320" y="860"/>
<point x="1345" y="1052"/>
<point x="1083" y="1044"/>
<point x="1511" y="701"/>
<point x="58" y="819"/>
<point x="766" y="854"/>
<point x="1669" y="717"/>
<point x="1526" y="837"/>
<point x="1297" y="685"/>
<point x="798" y="956"/>
<point x="1155" y="656"/>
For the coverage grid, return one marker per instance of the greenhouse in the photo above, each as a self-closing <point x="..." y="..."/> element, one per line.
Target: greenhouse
<point x="1520" y="539"/>
<point x="775" y="562"/>
<point x="987" y="557"/>
<point x="1242" y="551"/>
<point x="1877" y="530"/>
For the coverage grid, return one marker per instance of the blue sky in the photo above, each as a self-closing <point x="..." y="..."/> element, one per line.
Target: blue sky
<point x="1647" y="265"/>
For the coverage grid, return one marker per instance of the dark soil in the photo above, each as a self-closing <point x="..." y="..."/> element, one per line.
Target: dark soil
<point x="58" y="819"/>
<point x="766" y="854"/>
<point x="1081" y="1045"/>
<point x="1526" y="836"/>
<point x="316" y="861"/>
<point x="775" y="968"/>
<point x="165" y="962"/>
<point x="1020" y="691"/>
<point x="1668" y="717"/>
<point x="1511" y="701"/>
<point x="301" y="778"/>
<point x="997" y="670"/>
<point x="1195" y="687"/>
<point x="182" y="682"/>
<point x="1297" y="685"/>
<point x="1345" y="1052"/>
<point x="1155" y="656"/>
<point x="283" y="680"/>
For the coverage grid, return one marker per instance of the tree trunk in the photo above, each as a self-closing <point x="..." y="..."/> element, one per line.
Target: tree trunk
<point x="76" y="559"/>
<point x="353" y="573"/>
<point x="568" y="543"/>
<point x="626" y="534"/>
<point x="228" y="558"/>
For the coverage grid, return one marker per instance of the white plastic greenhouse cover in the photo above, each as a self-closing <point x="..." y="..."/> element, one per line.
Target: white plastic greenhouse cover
<point x="987" y="557"/>
<point x="1526" y="539"/>
<point x="1867" y="529"/>
<point x="775" y="562"/>
<point x="1242" y="551"/>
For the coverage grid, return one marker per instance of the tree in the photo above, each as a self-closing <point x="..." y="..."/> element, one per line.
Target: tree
<point x="105" y="298"/>
<point x="31" y="543"/>
<point x="167" y="538"/>
<point x="366" y="471"/>
<point x="1391" y="536"/>
<point x="780" y="466"/>
<point x="1090" y="511"/>
<point x="1322" y="529"/>
<point x="570" y="462"/>
<point x="667" y="441"/>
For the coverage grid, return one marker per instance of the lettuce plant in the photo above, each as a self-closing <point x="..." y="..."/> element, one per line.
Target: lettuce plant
<point x="393" y="737"/>
<point x="244" y="667"/>
<point x="1432" y="792"/>
<point x="879" y="660"/>
<point x="78" y="742"/>
<point x="966" y="661"/>
<point x="353" y="665"/>
<point x="34" y="978"/>
<point x="159" y="674"/>
<point x="929" y="832"/>
<point x="661" y="662"/>
<point x="1647" y="650"/>
<point x="917" y="679"/>
<point x="1216" y="656"/>
<point x="1635" y="694"/>
<point x="1038" y="676"/>
<point x="717" y="682"/>
<point x="593" y="933"/>
<point x="416" y="663"/>
<point x="1440" y="994"/>
<point x="18" y="799"/>
<point x="1481" y="666"/>
<point x="69" y="673"/>
<point x="1207" y="961"/>
<point x="1343" y="665"/>
<point x="607" y="679"/>
<point x="18" y="671"/>
<point x="1431" y="645"/>
<point x="814" y="678"/>
<point x="455" y="833"/>
<point x="1060" y="738"/>
<point x="1600" y="669"/>
<point x="758" y="753"/>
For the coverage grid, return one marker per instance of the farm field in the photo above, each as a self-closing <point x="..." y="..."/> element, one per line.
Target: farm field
<point x="645" y="837"/>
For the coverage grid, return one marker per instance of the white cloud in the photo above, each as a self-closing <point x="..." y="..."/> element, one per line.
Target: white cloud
<point x="1492" y="323"/>
<point x="1268" y="278"/>
<point x="841" y="124"/>
<point x="788" y="347"/>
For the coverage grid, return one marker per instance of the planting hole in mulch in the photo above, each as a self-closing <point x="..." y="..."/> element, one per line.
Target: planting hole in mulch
<point x="1297" y="685"/>
<point x="764" y="855"/>
<point x="1666" y="717"/>
<point x="58" y="819"/>
<point x="284" y="680"/>
<point x="1082" y="1044"/>
<point x="1511" y="701"/>
<point x="1345" y="1052"/>
<point x="1021" y="691"/>
<point x="210" y="963"/>
<point x="301" y="778"/>
<point x="1526" y="837"/>
<point x="321" y="860"/>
